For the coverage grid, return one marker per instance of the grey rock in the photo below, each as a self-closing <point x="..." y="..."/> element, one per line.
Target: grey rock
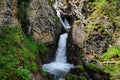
<point x="7" y="14"/>
<point x="42" y="21"/>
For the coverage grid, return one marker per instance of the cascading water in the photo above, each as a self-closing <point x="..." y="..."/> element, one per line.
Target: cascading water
<point x="60" y="56"/>
<point x="65" y="22"/>
<point x="60" y="67"/>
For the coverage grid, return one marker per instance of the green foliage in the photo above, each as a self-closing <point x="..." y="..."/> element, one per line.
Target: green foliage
<point x="71" y="77"/>
<point x="112" y="52"/>
<point x="77" y="21"/>
<point x="50" y="3"/>
<point x="8" y="65"/>
<point x="81" y="68"/>
<point x="100" y="6"/>
<point x="94" y="67"/>
<point x="113" y="10"/>
<point x="32" y="45"/>
<point x="31" y="66"/>
<point x="17" y="50"/>
<point x="92" y="25"/>
<point x="42" y="47"/>
<point x="116" y="21"/>
<point x="23" y="73"/>
<point x="82" y="78"/>
<point x="57" y="21"/>
<point x="44" y="73"/>
<point x="114" y="71"/>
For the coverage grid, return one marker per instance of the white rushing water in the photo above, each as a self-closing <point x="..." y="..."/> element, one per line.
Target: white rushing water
<point x="61" y="51"/>
<point x="59" y="67"/>
<point x="65" y="23"/>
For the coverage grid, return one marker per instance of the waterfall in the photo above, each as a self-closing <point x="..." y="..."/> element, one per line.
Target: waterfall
<point x="61" y="51"/>
<point x="65" y="22"/>
<point x="59" y="67"/>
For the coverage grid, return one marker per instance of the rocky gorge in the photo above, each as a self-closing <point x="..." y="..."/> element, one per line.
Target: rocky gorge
<point x="30" y="31"/>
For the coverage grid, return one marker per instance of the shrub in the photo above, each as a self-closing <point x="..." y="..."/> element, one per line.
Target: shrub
<point x="23" y="73"/>
<point x="112" y="52"/>
<point x="16" y="50"/>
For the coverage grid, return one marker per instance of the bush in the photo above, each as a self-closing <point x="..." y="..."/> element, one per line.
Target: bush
<point x="23" y="73"/>
<point x="112" y="52"/>
<point x="17" y="49"/>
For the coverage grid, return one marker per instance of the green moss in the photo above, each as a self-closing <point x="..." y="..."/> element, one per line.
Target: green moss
<point x="113" y="9"/>
<point x="100" y="6"/>
<point x="94" y="67"/>
<point x="114" y="71"/>
<point x="42" y="47"/>
<point x="57" y="21"/>
<point x="44" y="73"/>
<point x="81" y="68"/>
<point x="81" y="46"/>
<point x="112" y="52"/>
<point x="91" y="25"/>
<point x="77" y="21"/>
<point x="50" y="3"/>
<point x="71" y="77"/>
<point x="82" y="78"/>
<point x="116" y="21"/>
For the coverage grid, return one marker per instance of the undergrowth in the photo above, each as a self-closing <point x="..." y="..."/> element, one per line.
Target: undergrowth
<point x="17" y="54"/>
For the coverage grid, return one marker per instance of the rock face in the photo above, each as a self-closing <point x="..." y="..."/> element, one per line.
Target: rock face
<point x="42" y="21"/>
<point x="44" y="26"/>
<point x="8" y="12"/>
